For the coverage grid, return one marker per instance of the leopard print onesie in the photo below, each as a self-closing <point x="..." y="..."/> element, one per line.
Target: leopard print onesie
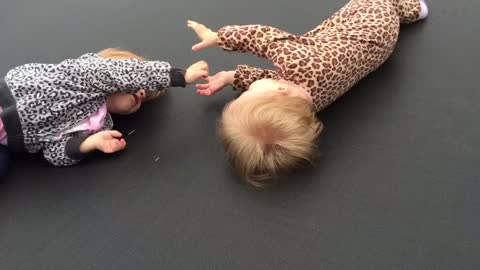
<point x="329" y="59"/>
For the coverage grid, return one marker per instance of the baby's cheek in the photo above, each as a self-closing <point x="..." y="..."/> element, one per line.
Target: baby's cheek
<point x="122" y="104"/>
<point x="135" y="108"/>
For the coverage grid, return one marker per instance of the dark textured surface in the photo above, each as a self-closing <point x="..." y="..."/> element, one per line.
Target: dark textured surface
<point x="398" y="186"/>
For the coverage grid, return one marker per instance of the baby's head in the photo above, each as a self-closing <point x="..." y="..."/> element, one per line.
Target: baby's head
<point x="121" y="102"/>
<point x="270" y="130"/>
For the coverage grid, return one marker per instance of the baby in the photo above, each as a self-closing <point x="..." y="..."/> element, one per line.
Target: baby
<point x="271" y="128"/>
<point x="64" y="109"/>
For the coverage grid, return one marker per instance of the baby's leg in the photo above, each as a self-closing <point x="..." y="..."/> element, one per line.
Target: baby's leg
<point x="334" y="20"/>
<point x="4" y="160"/>
<point x="408" y="10"/>
<point x="411" y="10"/>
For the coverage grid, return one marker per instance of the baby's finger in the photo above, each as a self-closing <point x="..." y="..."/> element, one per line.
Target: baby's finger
<point x="203" y="74"/>
<point x="117" y="145"/>
<point x="206" y="68"/>
<point x="206" y="93"/>
<point x="199" y="46"/>
<point x="202" y="86"/>
<point x="115" y="134"/>
<point x="123" y="144"/>
<point x="201" y="63"/>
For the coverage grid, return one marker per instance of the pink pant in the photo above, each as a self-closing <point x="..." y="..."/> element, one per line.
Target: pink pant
<point x="3" y="133"/>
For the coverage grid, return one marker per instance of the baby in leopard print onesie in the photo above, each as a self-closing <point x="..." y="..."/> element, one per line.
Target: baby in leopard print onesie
<point x="272" y="128"/>
<point x="63" y="109"/>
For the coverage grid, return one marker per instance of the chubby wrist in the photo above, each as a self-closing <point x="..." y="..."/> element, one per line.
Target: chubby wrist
<point x="89" y="145"/>
<point x="215" y="37"/>
<point x="229" y="76"/>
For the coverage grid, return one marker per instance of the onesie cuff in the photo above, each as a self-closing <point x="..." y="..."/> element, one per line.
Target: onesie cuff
<point x="72" y="148"/>
<point x="177" y="77"/>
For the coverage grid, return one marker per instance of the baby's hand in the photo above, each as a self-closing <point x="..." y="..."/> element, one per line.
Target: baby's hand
<point x="107" y="141"/>
<point x="196" y="72"/>
<point x="216" y="83"/>
<point x="208" y="37"/>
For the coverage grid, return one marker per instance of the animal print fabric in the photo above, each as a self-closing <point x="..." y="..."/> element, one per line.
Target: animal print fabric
<point x="51" y="98"/>
<point x="329" y="59"/>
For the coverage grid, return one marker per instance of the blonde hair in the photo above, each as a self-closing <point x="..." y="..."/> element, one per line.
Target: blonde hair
<point x="119" y="54"/>
<point x="269" y="136"/>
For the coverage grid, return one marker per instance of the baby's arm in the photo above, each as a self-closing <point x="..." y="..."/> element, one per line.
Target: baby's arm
<point x="130" y="75"/>
<point x="111" y="75"/>
<point x="72" y="149"/>
<point x="107" y="141"/>
<point x="240" y="79"/>
<point x="246" y="38"/>
<point x="249" y="38"/>
<point x="246" y="75"/>
<point x="64" y="152"/>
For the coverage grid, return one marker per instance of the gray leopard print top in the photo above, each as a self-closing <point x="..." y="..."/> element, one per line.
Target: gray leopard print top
<point x="39" y="101"/>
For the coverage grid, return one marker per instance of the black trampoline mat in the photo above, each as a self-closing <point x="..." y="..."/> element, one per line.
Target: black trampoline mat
<point x="397" y="187"/>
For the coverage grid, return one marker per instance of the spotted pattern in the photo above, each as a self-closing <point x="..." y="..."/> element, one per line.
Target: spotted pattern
<point x="51" y="98"/>
<point x="329" y="59"/>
